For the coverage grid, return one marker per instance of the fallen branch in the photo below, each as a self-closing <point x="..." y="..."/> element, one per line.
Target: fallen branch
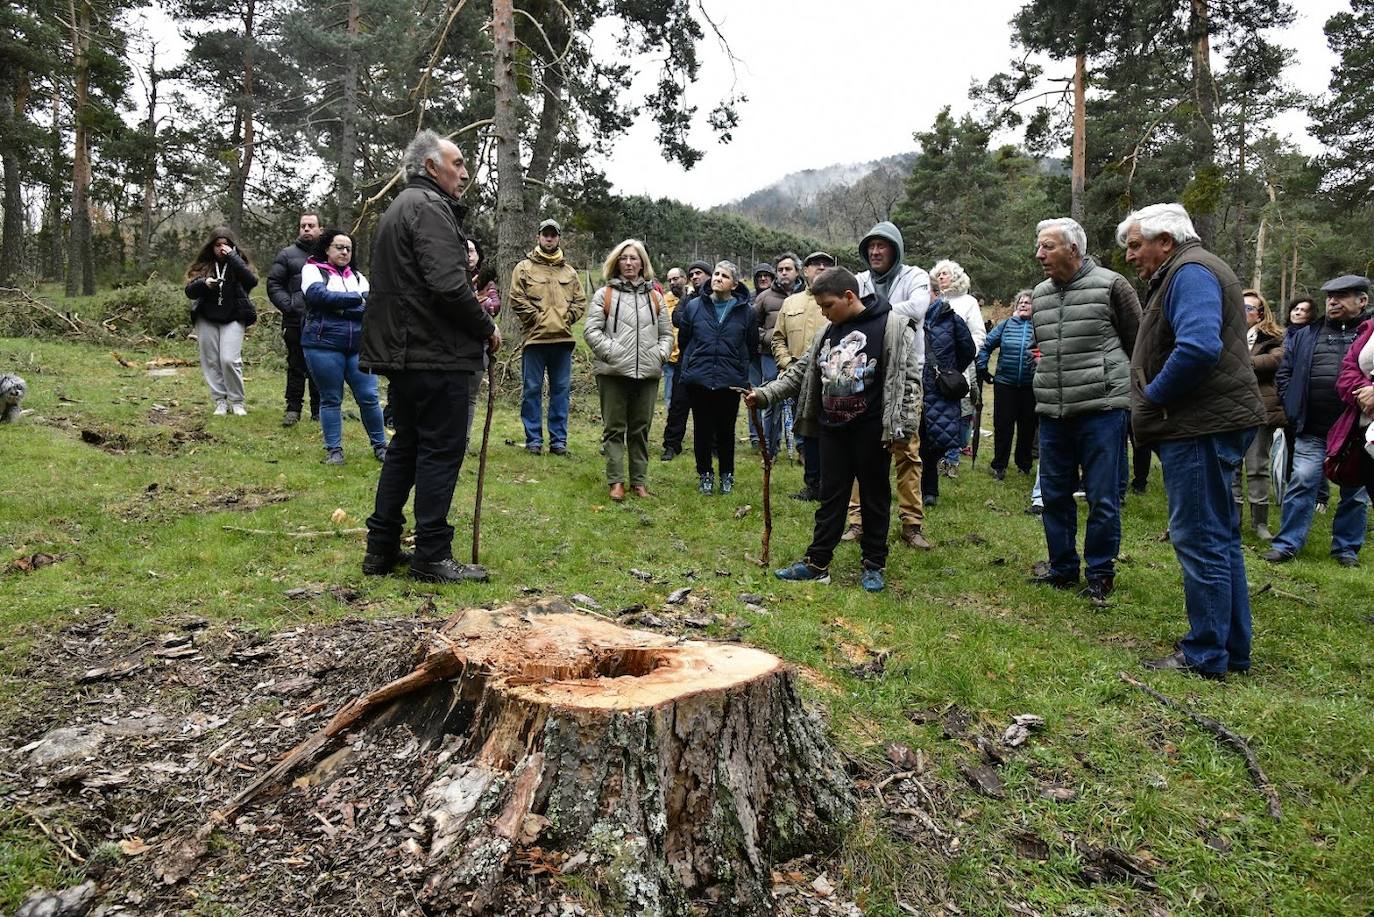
<point x="1226" y="737"/>
<point x="35" y="301"/>
<point x="335" y="533"/>
<point x="52" y="836"/>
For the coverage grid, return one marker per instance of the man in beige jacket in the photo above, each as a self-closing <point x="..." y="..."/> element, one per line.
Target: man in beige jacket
<point x="548" y="298"/>
<point x="799" y="319"/>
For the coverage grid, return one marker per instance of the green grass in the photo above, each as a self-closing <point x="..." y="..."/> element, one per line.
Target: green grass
<point x="962" y="626"/>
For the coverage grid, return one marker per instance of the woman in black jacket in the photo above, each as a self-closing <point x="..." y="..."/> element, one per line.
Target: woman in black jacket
<point x="218" y="282"/>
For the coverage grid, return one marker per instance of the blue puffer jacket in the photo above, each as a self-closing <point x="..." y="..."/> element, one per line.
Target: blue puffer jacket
<point x="334" y="301"/>
<point x="949" y="345"/>
<point x="1016" y="364"/>
<point x="716" y="354"/>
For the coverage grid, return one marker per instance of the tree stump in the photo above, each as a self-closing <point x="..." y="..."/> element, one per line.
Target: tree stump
<point x="667" y="770"/>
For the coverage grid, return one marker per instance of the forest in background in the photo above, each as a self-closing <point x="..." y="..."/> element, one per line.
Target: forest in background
<point x="113" y="171"/>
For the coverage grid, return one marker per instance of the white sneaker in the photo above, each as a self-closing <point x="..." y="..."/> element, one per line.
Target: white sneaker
<point x="239" y="410"/>
<point x="221" y="408"/>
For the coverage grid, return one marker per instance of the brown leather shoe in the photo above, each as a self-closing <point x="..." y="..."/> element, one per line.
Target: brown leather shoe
<point x="618" y="492"/>
<point x="911" y="534"/>
<point x="639" y="490"/>
<point x="853" y="532"/>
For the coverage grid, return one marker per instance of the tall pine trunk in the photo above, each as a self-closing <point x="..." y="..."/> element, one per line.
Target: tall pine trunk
<point x="545" y="138"/>
<point x="12" y="245"/>
<point x="1207" y="178"/>
<point x="244" y="133"/>
<point x="55" y="258"/>
<point x="143" y="253"/>
<point x="1080" y="142"/>
<point x="80" y="266"/>
<point x="511" y="229"/>
<point x="1260" y="239"/>
<point x="348" y="128"/>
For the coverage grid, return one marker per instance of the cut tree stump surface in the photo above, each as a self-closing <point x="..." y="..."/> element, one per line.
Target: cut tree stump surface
<point x="667" y="772"/>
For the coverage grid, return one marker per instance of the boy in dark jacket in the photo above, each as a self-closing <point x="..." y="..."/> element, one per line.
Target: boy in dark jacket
<point x="858" y="389"/>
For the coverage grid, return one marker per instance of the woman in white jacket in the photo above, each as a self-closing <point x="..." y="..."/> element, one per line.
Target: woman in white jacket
<point x="953" y="283"/>
<point x="631" y="334"/>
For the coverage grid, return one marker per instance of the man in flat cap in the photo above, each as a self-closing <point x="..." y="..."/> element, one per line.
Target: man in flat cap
<point x="548" y="298"/>
<point x="1307" y="386"/>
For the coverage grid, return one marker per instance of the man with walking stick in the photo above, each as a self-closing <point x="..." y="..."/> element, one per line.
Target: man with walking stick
<point x="858" y="389"/>
<point x="425" y="331"/>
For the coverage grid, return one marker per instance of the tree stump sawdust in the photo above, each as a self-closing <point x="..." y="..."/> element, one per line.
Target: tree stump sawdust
<point x="667" y="771"/>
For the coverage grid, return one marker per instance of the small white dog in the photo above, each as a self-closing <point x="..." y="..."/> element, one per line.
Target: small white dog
<point x="12" y="392"/>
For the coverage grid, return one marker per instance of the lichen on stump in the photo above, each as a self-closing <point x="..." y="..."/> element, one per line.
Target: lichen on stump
<point x="667" y="770"/>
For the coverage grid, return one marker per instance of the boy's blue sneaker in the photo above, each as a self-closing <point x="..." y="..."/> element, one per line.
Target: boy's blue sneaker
<point x="803" y="572"/>
<point x="872" y="580"/>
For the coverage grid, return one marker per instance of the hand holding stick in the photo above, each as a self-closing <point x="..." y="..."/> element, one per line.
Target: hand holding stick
<point x="482" y="457"/>
<point x="767" y="475"/>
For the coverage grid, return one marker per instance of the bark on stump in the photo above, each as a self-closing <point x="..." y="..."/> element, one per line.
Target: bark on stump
<point x="682" y="770"/>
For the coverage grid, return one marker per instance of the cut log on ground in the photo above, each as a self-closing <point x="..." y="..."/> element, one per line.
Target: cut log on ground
<point x="666" y="771"/>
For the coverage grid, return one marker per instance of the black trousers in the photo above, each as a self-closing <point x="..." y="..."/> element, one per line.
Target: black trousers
<point x="297" y="373"/>
<point x="431" y="414"/>
<point x="1013" y="411"/>
<point x="856" y="452"/>
<point x="714" y="412"/>
<point x="679" y="406"/>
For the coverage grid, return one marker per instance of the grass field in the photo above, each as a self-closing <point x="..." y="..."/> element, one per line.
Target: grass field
<point x="138" y="524"/>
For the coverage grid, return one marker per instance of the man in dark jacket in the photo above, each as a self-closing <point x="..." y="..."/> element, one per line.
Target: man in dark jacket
<point x="425" y="331"/>
<point x="1306" y="382"/>
<point x="1085" y="318"/>
<point x="1195" y="399"/>
<point x="284" y="289"/>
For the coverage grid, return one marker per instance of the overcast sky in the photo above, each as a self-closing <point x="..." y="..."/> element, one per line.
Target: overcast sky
<point x="885" y="67"/>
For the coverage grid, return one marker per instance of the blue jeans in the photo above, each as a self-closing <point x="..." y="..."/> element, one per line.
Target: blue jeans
<point x="669" y="372"/>
<point x="1300" y="502"/>
<point x="1094" y="444"/>
<point x="1206" y="536"/>
<point x="555" y="361"/>
<point x="330" y="369"/>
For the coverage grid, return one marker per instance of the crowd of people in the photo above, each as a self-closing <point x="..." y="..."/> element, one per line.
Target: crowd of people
<point x="875" y="378"/>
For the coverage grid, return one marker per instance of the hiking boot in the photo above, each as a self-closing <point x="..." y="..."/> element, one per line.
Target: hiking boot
<point x="999" y="474"/>
<point x="379" y="450"/>
<point x="448" y="570"/>
<point x="669" y="453"/>
<point x="558" y="449"/>
<point x="618" y="492"/>
<point x="221" y="408"/>
<point x="1138" y="486"/>
<point x="640" y="490"/>
<point x="1098" y="588"/>
<point x="852" y="533"/>
<point x="333" y="456"/>
<point x="238" y="410"/>
<point x="290" y="418"/>
<point x="1052" y="579"/>
<point x="930" y="499"/>
<point x="382" y="564"/>
<point x="1347" y="560"/>
<point x="911" y="534"/>
<point x="872" y="580"/>
<point x="1275" y="556"/>
<point x="803" y="572"/>
<point x="534" y="449"/>
<point x="727" y="482"/>
<point x="1177" y="662"/>
<point x="706" y="484"/>
<point x="806" y="494"/>
<point x="1259" y="513"/>
<point x="1035" y="509"/>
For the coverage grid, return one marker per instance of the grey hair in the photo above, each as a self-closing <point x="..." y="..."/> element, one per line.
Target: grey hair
<point x="1029" y="293"/>
<point x="1069" y="231"/>
<point x="1157" y="219"/>
<point x="789" y="256"/>
<point x="425" y="147"/>
<point x="958" y="278"/>
<point x="729" y="266"/>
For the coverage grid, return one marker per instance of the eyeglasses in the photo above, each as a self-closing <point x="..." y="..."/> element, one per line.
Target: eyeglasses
<point x="1252" y="308"/>
<point x="342" y="248"/>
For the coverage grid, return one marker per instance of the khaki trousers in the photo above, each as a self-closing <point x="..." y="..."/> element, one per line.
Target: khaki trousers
<point x="906" y="462"/>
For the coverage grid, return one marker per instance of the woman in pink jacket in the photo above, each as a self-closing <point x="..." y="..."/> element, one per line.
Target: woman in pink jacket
<point x="1355" y="385"/>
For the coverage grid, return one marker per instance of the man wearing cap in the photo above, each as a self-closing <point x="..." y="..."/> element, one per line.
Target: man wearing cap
<point x="907" y="288"/>
<point x="799" y="319"/>
<point x="1194" y="398"/>
<point x="679" y="408"/>
<point x="1306" y="382"/>
<point x="547" y="297"/>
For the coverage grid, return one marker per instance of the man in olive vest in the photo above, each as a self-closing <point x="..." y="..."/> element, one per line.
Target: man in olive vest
<point x="1194" y="398"/>
<point x="1085" y="319"/>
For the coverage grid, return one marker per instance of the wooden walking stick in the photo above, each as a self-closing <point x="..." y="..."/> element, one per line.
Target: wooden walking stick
<point x="482" y="456"/>
<point x="767" y="478"/>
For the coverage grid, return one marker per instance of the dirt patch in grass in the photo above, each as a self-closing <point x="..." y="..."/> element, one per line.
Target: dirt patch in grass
<point x="160" y="502"/>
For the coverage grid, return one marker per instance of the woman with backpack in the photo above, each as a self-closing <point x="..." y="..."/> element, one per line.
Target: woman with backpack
<point x="630" y="335"/>
<point x="218" y="282"/>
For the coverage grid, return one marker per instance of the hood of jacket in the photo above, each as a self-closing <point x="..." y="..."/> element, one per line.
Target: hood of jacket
<point x="888" y="232"/>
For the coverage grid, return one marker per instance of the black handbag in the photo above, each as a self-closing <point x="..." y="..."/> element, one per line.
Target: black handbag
<point x="951" y="384"/>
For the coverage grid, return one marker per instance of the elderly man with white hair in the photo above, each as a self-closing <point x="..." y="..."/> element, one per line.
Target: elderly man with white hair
<point x="1085" y="318"/>
<point x="1194" y="397"/>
